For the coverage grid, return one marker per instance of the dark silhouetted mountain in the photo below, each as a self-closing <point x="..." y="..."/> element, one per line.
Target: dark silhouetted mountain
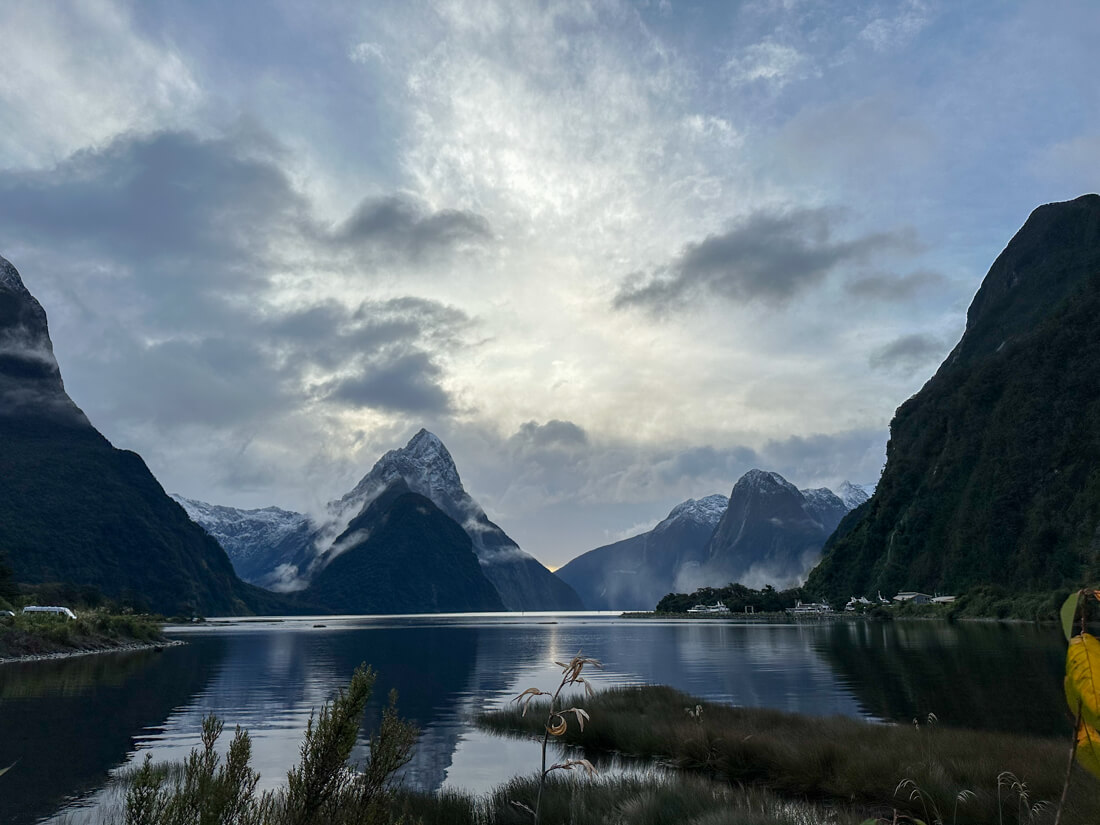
<point x="427" y="467"/>
<point x="402" y="554"/>
<point x="993" y="469"/>
<point x="771" y="533"/>
<point x="268" y="547"/>
<point x="633" y="574"/>
<point x="75" y="509"/>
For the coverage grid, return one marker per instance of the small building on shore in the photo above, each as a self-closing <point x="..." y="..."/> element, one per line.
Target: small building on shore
<point x="912" y="597"/>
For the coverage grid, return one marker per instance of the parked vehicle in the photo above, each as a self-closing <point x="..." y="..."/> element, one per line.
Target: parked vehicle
<point x="57" y="611"/>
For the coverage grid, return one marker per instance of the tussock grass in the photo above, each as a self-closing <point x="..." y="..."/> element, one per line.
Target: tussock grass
<point x="682" y="800"/>
<point x="36" y="634"/>
<point x="833" y="759"/>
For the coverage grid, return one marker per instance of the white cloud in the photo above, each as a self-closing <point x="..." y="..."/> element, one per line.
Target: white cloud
<point x="78" y="78"/>
<point x="768" y="62"/>
<point x="898" y="26"/>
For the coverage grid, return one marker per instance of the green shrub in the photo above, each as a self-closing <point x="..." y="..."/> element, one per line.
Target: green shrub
<point x="322" y="788"/>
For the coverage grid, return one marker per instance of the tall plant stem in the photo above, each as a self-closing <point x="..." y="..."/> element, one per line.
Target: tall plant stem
<point x="1069" y="766"/>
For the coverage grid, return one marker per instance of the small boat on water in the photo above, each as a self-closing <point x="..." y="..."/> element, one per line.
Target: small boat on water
<point x="716" y="609"/>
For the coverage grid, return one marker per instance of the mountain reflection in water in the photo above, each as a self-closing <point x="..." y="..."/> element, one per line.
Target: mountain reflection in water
<point x="268" y="676"/>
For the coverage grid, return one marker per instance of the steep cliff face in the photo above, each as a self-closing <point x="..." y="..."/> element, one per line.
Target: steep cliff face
<point x="75" y="509"/>
<point x="993" y="468"/>
<point x="771" y="533"/>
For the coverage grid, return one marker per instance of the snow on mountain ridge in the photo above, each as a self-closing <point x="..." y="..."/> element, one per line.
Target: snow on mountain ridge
<point x="852" y="495"/>
<point x="707" y="510"/>
<point x="426" y="466"/>
<point x="243" y="533"/>
<point x="764" y="481"/>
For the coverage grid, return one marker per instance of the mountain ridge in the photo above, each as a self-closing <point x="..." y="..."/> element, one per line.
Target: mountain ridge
<point x="992" y="474"/>
<point x="75" y="509"/>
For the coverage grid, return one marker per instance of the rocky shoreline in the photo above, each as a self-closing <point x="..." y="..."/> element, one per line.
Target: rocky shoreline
<point x="127" y="647"/>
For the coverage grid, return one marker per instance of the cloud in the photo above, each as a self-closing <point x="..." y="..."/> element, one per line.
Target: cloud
<point x="80" y="77"/>
<point x="553" y="433"/>
<point x="893" y="31"/>
<point x="404" y="225"/>
<point x="768" y="257"/>
<point x="766" y="62"/>
<point x="406" y="382"/>
<point x="193" y="262"/>
<point x="908" y="353"/>
<point x="881" y="286"/>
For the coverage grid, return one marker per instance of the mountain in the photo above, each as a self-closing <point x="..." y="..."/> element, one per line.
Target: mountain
<point x="992" y="470"/>
<point x="402" y="554"/>
<point x="75" y="509"/>
<point x="267" y="546"/>
<point x="771" y="532"/>
<point x="428" y="469"/>
<point x="283" y="550"/>
<point x="852" y="495"/>
<point x="633" y="574"/>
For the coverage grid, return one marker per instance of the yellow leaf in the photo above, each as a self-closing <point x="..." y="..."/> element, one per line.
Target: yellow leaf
<point x="1083" y="677"/>
<point x="1068" y="612"/>
<point x="1088" y="748"/>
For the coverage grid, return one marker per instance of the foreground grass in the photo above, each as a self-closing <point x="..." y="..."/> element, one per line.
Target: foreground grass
<point x="836" y="760"/>
<point x="673" y="800"/>
<point x="40" y="634"/>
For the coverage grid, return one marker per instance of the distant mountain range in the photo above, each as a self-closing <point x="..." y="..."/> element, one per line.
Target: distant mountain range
<point x="288" y="551"/>
<point x="992" y="473"/>
<point x="75" y="509"/>
<point x="766" y="532"/>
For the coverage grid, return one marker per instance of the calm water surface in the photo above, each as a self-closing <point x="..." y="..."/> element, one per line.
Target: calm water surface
<point x="74" y="723"/>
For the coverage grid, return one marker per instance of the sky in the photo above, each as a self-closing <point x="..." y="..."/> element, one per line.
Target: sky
<point x="614" y="254"/>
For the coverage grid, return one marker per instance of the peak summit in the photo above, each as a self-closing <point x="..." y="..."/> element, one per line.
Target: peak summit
<point x="763" y="481"/>
<point x="426" y="466"/>
<point x="9" y="276"/>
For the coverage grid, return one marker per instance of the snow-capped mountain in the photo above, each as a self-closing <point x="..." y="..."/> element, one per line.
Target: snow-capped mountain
<point x="268" y="546"/>
<point x="284" y="550"/>
<point x="767" y="532"/>
<point x="854" y="495"/>
<point x="427" y="468"/>
<point x="771" y="533"/>
<point x="635" y="573"/>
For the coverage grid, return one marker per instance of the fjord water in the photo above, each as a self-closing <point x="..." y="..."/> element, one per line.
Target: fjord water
<point x="72" y="723"/>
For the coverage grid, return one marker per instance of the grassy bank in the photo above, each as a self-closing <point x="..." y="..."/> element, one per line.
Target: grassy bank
<point x="680" y="800"/>
<point x="837" y="760"/>
<point x="42" y="634"/>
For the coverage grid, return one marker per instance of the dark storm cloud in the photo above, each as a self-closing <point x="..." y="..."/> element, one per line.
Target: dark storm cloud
<point x="407" y="226"/>
<point x="157" y="199"/>
<point x="768" y="257"/>
<point x="908" y="353"/>
<point x="886" y="287"/>
<point x="166" y="244"/>
<point x="404" y="382"/>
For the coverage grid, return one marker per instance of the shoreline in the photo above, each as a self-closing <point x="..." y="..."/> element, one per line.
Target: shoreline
<point x="128" y="647"/>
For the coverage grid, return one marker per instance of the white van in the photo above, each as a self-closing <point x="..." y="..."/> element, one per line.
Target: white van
<point x="57" y="611"/>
